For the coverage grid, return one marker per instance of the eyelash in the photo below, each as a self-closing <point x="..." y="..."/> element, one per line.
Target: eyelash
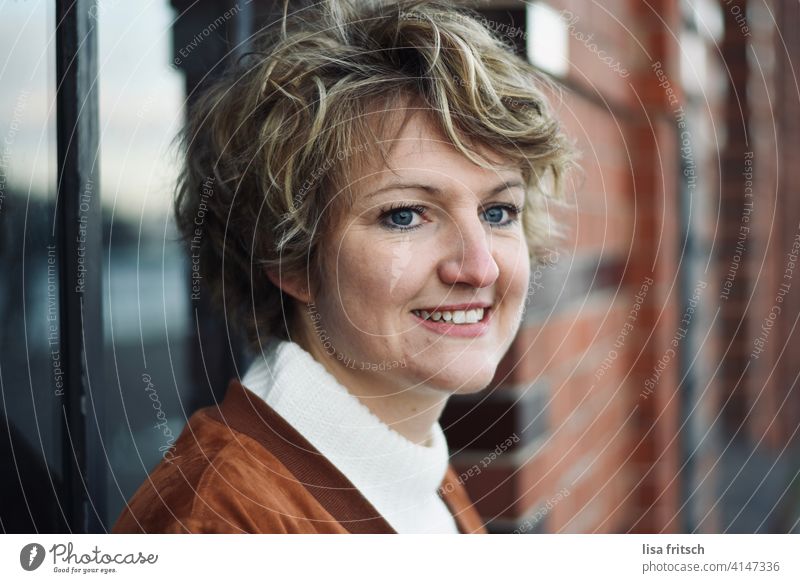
<point x="402" y="206"/>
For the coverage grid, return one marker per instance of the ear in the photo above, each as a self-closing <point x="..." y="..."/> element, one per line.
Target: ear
<point x="295" y="286"/>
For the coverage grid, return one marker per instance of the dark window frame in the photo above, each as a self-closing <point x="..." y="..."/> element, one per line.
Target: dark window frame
<point x="80" y="236"/>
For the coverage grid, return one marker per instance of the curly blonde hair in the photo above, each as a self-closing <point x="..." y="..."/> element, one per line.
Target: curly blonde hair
<point x="268" y="144"/>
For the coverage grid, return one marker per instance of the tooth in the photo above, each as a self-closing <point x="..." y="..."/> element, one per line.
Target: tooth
<point x="480" y="314"/>
<point x="459" y="317"/>
<point x="472" y="316"/>
<point x="447" y="316"/>
<point x="437" y="316"/>
<point x="425" y="314"/>
<point x="415" y="312"/>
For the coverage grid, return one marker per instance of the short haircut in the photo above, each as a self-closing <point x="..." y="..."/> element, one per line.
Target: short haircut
<point x="270" y="144"/>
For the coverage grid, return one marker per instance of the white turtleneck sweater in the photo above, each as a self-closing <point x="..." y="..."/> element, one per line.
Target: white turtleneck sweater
<point x="398" y="477"/>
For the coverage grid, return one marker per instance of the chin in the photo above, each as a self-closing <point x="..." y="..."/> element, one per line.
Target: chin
<point x="460" y="383"/>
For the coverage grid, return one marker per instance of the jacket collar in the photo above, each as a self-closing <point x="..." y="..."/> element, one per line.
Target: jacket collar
<point x="247" y="413"/>
<point x="399" y="477"/>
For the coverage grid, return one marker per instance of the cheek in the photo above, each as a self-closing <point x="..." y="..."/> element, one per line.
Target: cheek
<point x="379" y="272"/>
<point x="370" y="284"/>
<point x="515" y="270"/>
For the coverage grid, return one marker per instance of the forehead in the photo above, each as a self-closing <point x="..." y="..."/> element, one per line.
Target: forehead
<point x="413" y="140"/>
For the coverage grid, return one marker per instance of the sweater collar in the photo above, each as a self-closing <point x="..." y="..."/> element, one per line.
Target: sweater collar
<point x="379" y="461"/>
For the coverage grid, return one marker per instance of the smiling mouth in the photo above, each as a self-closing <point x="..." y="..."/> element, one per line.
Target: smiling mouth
<point x="472" y="316"/>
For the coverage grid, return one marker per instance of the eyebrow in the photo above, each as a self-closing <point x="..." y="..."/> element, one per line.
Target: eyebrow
<point x="438" y="192"/>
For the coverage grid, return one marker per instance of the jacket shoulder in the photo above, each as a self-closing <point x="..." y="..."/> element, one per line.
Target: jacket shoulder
<point x="220" y="480"/>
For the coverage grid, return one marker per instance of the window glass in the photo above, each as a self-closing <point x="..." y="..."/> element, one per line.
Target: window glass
<point x="31" y="390"/>
<point x="145" y="295"/>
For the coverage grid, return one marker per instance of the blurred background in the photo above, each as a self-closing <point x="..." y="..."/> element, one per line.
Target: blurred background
<point x="653" y="385"/>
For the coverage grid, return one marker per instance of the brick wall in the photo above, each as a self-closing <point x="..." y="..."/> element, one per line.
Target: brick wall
<point x="631" y="353"/>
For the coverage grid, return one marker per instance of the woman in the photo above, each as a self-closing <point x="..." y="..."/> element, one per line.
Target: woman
<point x="371" y="187"/>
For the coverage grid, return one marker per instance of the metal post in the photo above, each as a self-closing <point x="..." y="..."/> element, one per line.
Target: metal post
<point x="80" y="236"/>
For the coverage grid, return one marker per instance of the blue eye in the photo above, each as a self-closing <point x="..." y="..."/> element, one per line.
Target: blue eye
<point x="494" y="215"/>
<point x="400" y="217"/>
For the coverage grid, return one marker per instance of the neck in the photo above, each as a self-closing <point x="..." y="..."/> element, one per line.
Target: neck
<point x="411" y="412"/>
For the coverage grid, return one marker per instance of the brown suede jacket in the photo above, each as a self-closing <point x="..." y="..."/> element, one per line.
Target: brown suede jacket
<point x="241" y="468"/>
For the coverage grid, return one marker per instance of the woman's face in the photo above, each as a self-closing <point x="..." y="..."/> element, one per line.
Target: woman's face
<point x="426" y="275"/>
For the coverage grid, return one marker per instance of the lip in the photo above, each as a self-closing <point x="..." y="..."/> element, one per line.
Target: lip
<point x="450" y="308"/>
<point x="459" y="330"/>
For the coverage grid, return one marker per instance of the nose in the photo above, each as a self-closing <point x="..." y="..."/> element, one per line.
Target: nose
<point x="467" y="255"/>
